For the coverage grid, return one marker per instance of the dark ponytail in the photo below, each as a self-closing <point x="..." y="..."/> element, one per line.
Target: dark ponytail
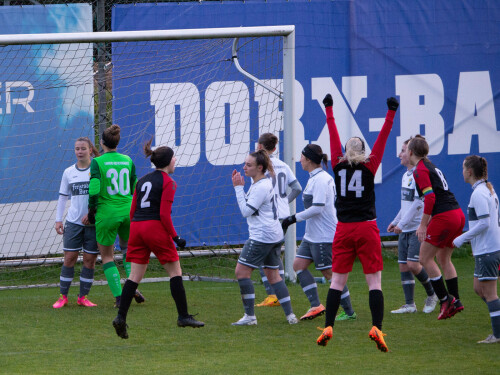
<point x="262" y="158"/>
<point x="419" y="146"/>
<point x="315" y="154"/>
<point x="111" y="136"/>
<point x="161" y="156"/>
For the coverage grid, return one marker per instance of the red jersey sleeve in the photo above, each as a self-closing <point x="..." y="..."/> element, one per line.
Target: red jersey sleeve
<point x="335" y="145"/>
<point x="379" y="146"/>
<point x="134" y="205"/>
<point x="167" y="198"/>
<point x="423" y="181"/>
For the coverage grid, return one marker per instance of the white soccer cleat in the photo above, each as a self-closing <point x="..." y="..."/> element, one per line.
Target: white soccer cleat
<point x="491" y="339"/>
<point x="430" y="304"/>
<point x="292" y="319"/>
<point x="247" y="320"/>
<point x="405" y="309"/>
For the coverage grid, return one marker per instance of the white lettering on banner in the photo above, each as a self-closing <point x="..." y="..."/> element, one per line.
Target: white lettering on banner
<point x="234" y="93"/>
<point x="166" y="97"/>
<point x="10" y="89"/>
<point x="227" y="123"/>
<point x="421" y="99"/>
<point x="474" y="114"/>
<point x="270" y="115"/>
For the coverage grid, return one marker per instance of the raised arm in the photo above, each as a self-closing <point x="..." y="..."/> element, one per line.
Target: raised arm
<point x="335" y="145"/>
<point x="379" y="146"/>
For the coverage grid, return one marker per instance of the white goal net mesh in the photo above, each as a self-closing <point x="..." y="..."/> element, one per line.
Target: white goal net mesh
<point x="186" y="94"/>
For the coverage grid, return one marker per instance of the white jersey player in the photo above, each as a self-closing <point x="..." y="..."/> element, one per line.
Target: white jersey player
<point x="319" y="204"/>
<point x="78" y="233"/>
<point x="484" y="235"/>
<point x="263" y="248"/>
<point x="259" y="207"/>
<point x="284" y="180"/>
<point x="74" y="186"/>
<point x="405" y="224"/>
<point x="286" y="189"/>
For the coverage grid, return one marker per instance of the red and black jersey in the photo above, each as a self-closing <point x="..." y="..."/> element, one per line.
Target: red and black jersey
<point x="355" y="188"/>
<point x="355" y="184"/>
<point x="153" y="198"/>
<point x="432" y="185"/>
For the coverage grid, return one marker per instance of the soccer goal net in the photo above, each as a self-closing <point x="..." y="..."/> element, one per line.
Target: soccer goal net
<point x="206" y="93"/>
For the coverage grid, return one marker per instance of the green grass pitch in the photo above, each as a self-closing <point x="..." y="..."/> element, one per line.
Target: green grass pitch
<point x="36" y="339"/>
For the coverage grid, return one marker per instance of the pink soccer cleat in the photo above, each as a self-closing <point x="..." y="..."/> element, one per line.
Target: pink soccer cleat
<point x="83" y="301"/>
<point x="61" y="302"/>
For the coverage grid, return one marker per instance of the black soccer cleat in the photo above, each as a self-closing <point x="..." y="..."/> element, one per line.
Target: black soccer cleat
<point x="139" y="298"/>
<point x="189" y="321"/>
<point x="120" y="327"/>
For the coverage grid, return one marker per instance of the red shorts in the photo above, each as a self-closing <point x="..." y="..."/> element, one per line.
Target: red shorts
<point x="445" y="227"/>
<point x="361" y="239"/>
<point x="148" y="237"/>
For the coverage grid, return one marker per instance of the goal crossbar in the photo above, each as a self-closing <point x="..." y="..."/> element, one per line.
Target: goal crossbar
<point x="146" y="35"/>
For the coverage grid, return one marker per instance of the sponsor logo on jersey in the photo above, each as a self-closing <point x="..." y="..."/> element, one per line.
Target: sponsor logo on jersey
<point x="80" y="188"/>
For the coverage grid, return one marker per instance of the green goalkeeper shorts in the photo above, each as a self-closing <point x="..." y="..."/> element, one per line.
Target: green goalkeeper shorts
<point x="109" y="225"/>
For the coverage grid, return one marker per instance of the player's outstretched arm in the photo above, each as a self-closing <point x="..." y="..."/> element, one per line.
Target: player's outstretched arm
<point x="379" y="146"/>
<point x="482" y="225"/>
<point x="335" y="145"/>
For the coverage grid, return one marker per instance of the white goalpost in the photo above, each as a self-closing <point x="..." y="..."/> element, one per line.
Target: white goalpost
<point x="207" y="93"/>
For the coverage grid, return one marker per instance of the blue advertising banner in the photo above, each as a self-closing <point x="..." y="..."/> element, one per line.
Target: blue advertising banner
<point x="45" y="102"/>
<point x="440" y="59"/>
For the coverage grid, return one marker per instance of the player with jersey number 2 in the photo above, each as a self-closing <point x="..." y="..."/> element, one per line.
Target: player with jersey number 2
<point x="263" y="248"/>
<point x="442" y="221"/>
<point x="112" y="183"/>
<point x="152" y="231"/>
<point x="357" y="233"/>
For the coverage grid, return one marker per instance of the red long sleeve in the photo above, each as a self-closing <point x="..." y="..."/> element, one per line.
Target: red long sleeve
<point x="379" y="146"/>
<point x="134" y="205"/>
<point x="167" y="199"/>
<point x="335" y="145"/>
<point x="423" y="181"/>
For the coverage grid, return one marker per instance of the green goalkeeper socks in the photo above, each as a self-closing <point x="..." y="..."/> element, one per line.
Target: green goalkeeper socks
<point x="113" y="277"/>
<point x="127" y="266"/>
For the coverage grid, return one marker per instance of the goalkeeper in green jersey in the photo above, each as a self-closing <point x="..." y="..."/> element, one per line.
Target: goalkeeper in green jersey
<point x="112" y="184"/>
